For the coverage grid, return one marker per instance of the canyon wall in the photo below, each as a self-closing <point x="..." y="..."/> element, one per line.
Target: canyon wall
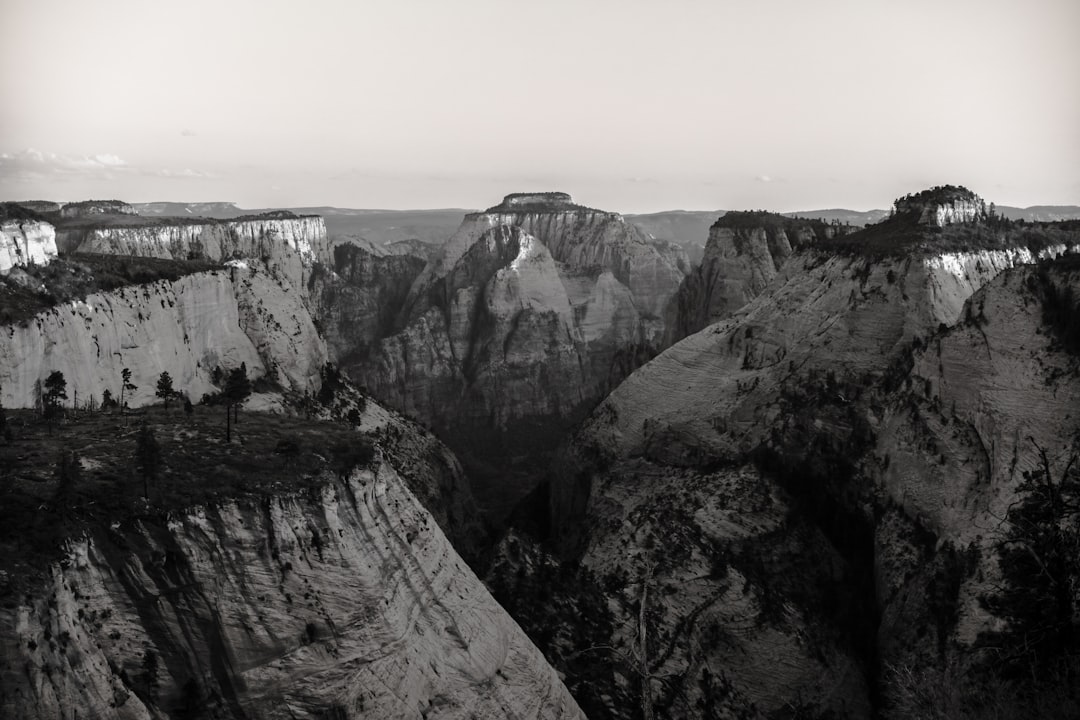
<point x="527" y="316"/>
<point x="749" y="456"/>
<point x="187" y="328"/>
<point x="347" y="602"/>
<point x="25" y="242"/>
<point x="285" y="243"/>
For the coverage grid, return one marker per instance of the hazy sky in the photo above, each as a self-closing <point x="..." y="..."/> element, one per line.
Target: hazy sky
<point x="630" y="105"/>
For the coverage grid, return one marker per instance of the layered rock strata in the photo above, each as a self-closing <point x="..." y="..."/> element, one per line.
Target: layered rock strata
<point x="524" y="318"/>
<point x="285" y="243"/>
<point x="675" y="476"/>
<point x="347" y="602"/>
<point x="25" y="242"/>
<point x="188" y="328"/>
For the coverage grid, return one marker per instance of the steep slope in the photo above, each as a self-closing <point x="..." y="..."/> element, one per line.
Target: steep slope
<point x="25" y="239"/>
<point x="358" y="297"/>
<point x="742" y="457"/>
<point x="188" y="328"/>
<point x="986" y="402"/>
<point x="744" y="253"/>
<point x="522" y="321"/>
<point x="288" y="244"/>
<point x="331" y="594"/>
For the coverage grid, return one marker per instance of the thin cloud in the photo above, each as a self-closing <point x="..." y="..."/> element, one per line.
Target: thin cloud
<point x="31" y="164"/>
<point x="188" y="133"/>
<point x="35" y="163"/>
<point x="764" y="178"/>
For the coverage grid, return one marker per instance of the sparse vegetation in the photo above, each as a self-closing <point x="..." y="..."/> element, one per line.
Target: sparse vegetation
<point x="902" y="235"/>
<point x="76" y="276"/>
<point x="164" y="388"/>
<point x="101" y="485"/>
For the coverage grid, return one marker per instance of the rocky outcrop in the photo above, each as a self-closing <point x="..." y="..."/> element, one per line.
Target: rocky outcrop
<point x="25" y="242"/>
<point x="674" y="479"/>
<point x="188" y="327"/>
<point x="940" y="206"/>
<point x="286" y="243"/>
<point x="982" y="400"/>
<point x="344" y="602"/>
<point x="523" y="320"/>
<point x="744" y="254"/>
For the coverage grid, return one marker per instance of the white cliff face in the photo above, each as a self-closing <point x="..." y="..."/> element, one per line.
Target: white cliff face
<point x="25" y="243"/>
<point x="187" y="327"/>
<point x="347" y="602"/>
<point x="840" y="314"/>
<point x="942" y="206"/>
<point x="290" y="244"/>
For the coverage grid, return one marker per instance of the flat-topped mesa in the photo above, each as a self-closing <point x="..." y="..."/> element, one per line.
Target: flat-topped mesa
<point x="942" y="205"/>
<point x="89" y="208"/>
<point x="538" y="202"/>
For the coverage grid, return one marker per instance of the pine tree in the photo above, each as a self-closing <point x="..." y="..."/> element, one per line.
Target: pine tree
<point x="55" y="392"/>
<point x="165" y="388"/>
<point x="126" y="386"/>
<point x="237" y="389"/>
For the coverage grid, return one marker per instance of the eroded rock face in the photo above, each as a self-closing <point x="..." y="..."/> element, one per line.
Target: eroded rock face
<point x="187" y="328"/>
<point x="686" y="462"/>
<point x="940" y="206"/>
<point x="849" y="315"/>
<point x="26" y="242"/>
<point x="358" y="297"/>
<point x="983" y="398"/>
<point x="525" y="317"/>
<point x="737" y="266"/>
<point x="288" y="245"/>
<point x="345" y="603"/>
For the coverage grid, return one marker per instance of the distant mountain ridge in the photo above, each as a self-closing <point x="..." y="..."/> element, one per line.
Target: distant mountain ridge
<point x="687" y="228"/>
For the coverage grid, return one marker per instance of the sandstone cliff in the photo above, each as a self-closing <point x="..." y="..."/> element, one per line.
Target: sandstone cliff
<point x="187" y="328"/>
<point x="286" y="243"/>
<point x="25" y="239"/>
<point x="357" y="298"/>
<point x="742" y="457"/>
<point x="523" y="320"/>
<point x="345" y="602"/>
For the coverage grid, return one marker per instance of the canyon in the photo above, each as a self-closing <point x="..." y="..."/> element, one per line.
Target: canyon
<point x="770" y="484"/>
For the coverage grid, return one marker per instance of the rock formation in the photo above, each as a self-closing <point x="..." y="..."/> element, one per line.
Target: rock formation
<point x="741" y="459"/>
<point x="744" y="253"/>
<point x="940" y="206"/>
<point x="286" y="243"/>
<point x="357" y="299"/>
<point x="25" y="242"/>
<point x="344" y="602"/>
<point x="523" y="320"/>
<point x="187" y="328"/>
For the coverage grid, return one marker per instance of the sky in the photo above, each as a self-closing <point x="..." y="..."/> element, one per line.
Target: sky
<point x="630" y="105"/>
